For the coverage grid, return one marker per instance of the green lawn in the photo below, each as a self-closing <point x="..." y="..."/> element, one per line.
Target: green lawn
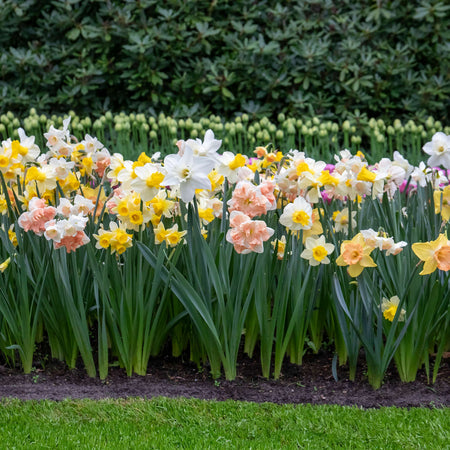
<point x="181" y="423"/>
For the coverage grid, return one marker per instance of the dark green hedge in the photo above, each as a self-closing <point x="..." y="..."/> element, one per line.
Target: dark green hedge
<point x="386" y="58"/>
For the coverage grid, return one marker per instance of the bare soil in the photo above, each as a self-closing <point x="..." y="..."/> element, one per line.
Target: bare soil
<point x="310" y="383"/>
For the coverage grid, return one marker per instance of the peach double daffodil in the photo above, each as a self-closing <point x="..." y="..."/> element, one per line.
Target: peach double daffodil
<point x="356" y="255"/>
<point x="435" y="254"/>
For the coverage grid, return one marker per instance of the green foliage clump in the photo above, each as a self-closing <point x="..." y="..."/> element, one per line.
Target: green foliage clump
<point x="387" y="59"/>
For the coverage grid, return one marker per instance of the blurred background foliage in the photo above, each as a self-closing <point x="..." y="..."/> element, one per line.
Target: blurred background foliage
<point x="388" y="59"/>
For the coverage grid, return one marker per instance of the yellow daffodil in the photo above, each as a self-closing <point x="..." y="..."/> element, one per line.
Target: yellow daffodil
<point x="442" y="202"/>
<point x="174" y="236"/>
<point x="207" y="214"/>
<point x="389" y="309"/>
<point x="160" y="233"/>
<point x="116" y="237"/>
<point x="12" y="236"/>
<point x="279" y="245"/>
<point x="366" y="175"/>
<point x="435" y="254"/>
<point x="170" y="235"/>
<point x="3" y="205"/>
<point x="4" y="265"/>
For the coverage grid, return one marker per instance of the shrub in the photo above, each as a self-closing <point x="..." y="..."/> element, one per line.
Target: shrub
<point x="386" y="59"/>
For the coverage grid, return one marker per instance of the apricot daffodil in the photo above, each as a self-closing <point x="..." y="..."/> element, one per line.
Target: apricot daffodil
<point x="356" y="255"/>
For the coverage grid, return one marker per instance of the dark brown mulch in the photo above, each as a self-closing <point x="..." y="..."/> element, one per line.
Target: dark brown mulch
<point x="310" y="383"/>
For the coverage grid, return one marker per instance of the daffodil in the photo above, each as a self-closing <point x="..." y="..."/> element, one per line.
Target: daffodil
<point x="442" y="202"/>
<point x="366" y="175"/>
<point x="317" y="250"/>
<point x="356" y="255"/>
<point x="188" y="172"/>
<point x="297" y="215"/>
<point x="279" y="245"/>
<point x="206" y="149"/>
<point x="316" y="229"/>
<point x="148" y="180"/>
<point x="439" y="150"/>
<point x="171" y="236"/>
<point x="389" y="309"/>
<point x="116" y="237"/>
<point x="229" y="165"/>
<point x="160" y="205"/>
<point x="3" y="204"/>
<point x="342" y="220"/>
<point x="435" y="254"/>
<point x="12" y="236"/>
<point x="4" y="265"/>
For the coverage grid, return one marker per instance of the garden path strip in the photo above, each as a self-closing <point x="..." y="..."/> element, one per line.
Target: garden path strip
<point x="310" y="383"/>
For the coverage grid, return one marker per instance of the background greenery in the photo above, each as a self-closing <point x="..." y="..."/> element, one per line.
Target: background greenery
<point x="388" y="59"/>
<point x="131" y="134"/>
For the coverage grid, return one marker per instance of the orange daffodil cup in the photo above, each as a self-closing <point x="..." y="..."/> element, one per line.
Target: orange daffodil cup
<point x="435" y="254"/>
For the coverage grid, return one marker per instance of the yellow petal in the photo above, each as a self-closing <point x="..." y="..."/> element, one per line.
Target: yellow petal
<point x="340" y="261"/>
<point x="423" y="250"/>
<point x="355" y="270"/>
<point x="441" y="240"/>
<point x="429" y="267"/>
<point x="367" y="261"/>
<point x="445" y="213"/>
<point x="437" y="196"/>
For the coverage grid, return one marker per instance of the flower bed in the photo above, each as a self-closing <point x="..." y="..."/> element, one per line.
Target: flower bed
<point x="205" y="250"/>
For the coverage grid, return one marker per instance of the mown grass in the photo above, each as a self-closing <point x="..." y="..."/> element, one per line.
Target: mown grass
<point x="189" y="423"/>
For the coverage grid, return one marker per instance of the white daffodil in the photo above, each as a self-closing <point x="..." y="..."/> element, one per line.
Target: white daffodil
<point x="317" y="250"/>
<point x="399" y="160"/>
<point x="65" y="207"/>
<point x="27" y="142"/>
<point x="297" y="215"/>
<point x="188" y="173"/>
<point x="62" y="167"/>
<point x="422" y="174"/>
<point x="207" y="148"/>
<point x="91" y="144"/>
<point x="148" y="180"/>
<point x="439" y="150"/>
<point x="82" y="205"/>
<point x="230" y="165"/>
<point x="342" y="219"/>
<point x="57" y="138"/>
